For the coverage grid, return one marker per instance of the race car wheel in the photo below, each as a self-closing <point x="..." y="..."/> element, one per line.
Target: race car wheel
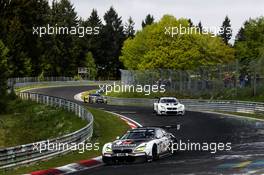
<point x="155" y="155"/>
<point x="157" y="113"/>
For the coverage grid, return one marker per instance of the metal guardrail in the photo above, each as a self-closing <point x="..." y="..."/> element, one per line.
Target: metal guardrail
<point x="25" y="154"/>
<point x="197" y="105"/>
<point x="38" y="79"/>
<point x="52" y="81"/>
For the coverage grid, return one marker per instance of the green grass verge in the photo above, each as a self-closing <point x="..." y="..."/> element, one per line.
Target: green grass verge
<point x="106" y="128"/>
<point x="44" y="85"/>
<point x="27" y="122"/>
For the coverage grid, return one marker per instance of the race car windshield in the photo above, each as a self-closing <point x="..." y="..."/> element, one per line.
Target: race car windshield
<point x="168" y="101"/>
<point x="139" y="135"/>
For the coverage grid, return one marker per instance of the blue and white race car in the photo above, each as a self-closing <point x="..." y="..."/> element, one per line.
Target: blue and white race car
<point x="137" y="145"/>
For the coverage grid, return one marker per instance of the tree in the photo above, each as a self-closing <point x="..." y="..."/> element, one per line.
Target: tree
<point x="63" y="49"/>
<point x="200" y="27"/>
<point x="17" y="19"/>
<point x="4" y="71"/>
<point x="148" y="20"/>
<point x="4" y="74"/>
<point x="249" y="45"/>
<point x="59" y="54"/>
<point x="129" y="28"/>
<point x="241" y="33"/>
<point x="112" y="38"/>
<point x="92" y="42"/>
<point x="94" y="20"/>
<point x="90" y="64"/>
<point x="226" y="33"/>
<point x="152" y="48"/>
<point x="190" y="23"/>
<point x="20" y="63"/>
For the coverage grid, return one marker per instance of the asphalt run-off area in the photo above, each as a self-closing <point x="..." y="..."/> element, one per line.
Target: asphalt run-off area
<point x="246" y="136"/>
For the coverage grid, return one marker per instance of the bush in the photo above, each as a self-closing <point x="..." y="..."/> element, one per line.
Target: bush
<point x="3" y="104"/>
<point x="77" y="78"/>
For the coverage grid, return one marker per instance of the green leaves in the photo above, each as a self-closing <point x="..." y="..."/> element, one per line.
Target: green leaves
<point x="153" y="48"/>
<point x="4" y="70"/>
<point x="249" y="43"/>
<point x="90" y="64"/>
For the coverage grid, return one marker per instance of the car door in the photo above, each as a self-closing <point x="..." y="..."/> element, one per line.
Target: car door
<point x="162" y="141"/>
<point x="165" y="140"/>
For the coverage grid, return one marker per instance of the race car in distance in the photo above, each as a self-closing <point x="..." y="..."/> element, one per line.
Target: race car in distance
<point x="137" y="145"/>
<point x="95" y="98"/>
<point x="169" y="105"/>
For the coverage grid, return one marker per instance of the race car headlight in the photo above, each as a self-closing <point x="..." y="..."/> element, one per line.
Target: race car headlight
<point x="108" y="149"/>
<point x="162" y="107"/>
<point x="181" y="107"/>
<point x="140" y="148"/>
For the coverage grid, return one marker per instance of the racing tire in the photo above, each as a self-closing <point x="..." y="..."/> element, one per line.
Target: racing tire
<point x="155" y="155"/>
<point x="157" y="113"/>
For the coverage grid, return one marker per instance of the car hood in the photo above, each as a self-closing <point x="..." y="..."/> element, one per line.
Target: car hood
<point x="128" y="143"/>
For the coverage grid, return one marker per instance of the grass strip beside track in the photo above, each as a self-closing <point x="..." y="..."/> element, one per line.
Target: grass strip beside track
<point x="28" y="122"/>
<point x="106" y="128"/>
<point x="44" y="85"/>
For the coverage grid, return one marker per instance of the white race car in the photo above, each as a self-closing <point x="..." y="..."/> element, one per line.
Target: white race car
<point x="137" y="145"/>
<point x="169" y="105"/>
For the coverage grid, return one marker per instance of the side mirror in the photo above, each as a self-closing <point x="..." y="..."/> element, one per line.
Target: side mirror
<point x="117" y="138"/>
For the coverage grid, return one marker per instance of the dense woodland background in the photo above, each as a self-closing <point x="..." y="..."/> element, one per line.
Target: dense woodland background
<point x="117" y="45"/>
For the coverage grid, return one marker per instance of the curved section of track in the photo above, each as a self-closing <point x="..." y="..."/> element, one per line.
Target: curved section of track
<point x="246" y="136"/>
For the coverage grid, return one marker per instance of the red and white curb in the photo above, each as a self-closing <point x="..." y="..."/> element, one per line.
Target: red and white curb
<point x="83" y="164"/>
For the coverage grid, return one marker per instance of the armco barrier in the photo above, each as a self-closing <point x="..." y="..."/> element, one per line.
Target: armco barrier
<point x="197" y="105"/>
<point x="52" y="81"/>
<point x="25" y="154"/>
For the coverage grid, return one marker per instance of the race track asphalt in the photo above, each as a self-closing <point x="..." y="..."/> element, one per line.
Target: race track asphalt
<point x="246" y="138"/>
